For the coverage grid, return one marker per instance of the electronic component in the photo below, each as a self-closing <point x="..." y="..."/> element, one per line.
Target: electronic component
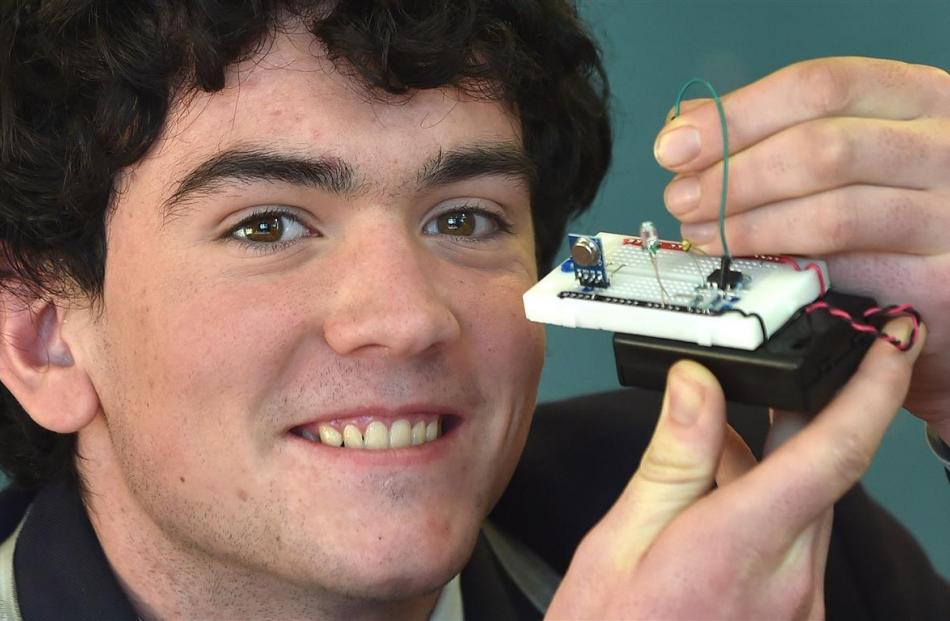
<point x="666" y="294"/>
<point x="587" y="255"/>
<point x="730" y="279"/>
<point x="649" y="237"/>
<point x="724" y="277"/>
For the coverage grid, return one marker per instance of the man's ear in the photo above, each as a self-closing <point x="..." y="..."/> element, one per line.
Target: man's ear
<point x="37" y="366"/>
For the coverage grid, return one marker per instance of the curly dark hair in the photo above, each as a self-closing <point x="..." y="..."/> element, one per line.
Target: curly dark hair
<point x="86" y="85"/>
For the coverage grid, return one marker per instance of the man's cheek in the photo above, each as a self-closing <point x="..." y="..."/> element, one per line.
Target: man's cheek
<point x="514" y="343"/>
<point x="222" y="348"/>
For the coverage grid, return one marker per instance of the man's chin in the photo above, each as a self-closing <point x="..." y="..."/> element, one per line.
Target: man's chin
<point x="390" y="573"/>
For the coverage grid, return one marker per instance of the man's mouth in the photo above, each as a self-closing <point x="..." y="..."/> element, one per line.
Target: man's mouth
<point x="376" y="433"/>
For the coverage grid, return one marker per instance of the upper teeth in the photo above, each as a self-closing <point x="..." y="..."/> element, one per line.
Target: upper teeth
<point x="376" y="435"/>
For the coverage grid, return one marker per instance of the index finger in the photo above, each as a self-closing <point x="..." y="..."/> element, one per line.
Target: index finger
<point x="807" y="474"/>
<point x="840" y="86"/>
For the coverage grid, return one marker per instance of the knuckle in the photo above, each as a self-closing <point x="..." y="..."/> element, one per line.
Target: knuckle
<point x="668" y="466"/>
<point x="824" y="85"/>
<point x="850" y="457"/>
<point x="832" y="150"/>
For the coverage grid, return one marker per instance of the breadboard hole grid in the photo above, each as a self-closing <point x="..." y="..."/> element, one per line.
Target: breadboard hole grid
<point x="687" y="307"/>
<point x="633" y="275"/>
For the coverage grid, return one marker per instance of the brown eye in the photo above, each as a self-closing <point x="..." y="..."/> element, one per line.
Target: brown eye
<point x="467" y="224"/>
<point x="262" y="229"/>
<point x="271" y="229"/>
<point x="456" y="223"/>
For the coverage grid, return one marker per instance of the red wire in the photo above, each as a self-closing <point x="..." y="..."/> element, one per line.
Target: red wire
<point x="821" y="277"/>
<point x="896" y="310"/>
<point x="811" y="266"/>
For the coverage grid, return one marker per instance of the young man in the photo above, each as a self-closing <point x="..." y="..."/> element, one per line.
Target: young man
<point x="266" y="266"/>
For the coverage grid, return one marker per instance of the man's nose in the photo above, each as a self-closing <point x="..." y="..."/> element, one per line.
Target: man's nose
<point x="387" y="301"/>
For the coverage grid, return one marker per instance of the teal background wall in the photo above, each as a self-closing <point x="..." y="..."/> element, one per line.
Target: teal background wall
<point x="652" y="47"/>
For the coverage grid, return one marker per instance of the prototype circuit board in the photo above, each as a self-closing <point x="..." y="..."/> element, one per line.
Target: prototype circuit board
<point x="644" y="286"/>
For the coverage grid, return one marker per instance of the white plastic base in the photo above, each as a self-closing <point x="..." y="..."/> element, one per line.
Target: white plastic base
<point x="772" y="289"/>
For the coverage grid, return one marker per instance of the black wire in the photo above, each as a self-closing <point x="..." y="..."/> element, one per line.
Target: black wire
<point x="724" y="264"/>
<point x="765" y="336"/>
<point x="875" y="320"/>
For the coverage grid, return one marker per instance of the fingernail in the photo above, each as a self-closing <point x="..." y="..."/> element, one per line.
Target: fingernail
<point x="670" y="115"/>
<point x="682" y="196"/>
<point x="677" y="146"/>
<point x="685" y="399"/>
<point x="900" y="329"/>
<point x="700" y="234"/>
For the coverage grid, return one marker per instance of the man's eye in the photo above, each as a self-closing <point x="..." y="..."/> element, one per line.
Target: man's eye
<point x="473" y="223"/>
<point x="270" y="228"/>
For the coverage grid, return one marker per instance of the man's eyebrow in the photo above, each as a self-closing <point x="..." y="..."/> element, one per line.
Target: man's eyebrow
<point x="327" y="173"/>
<point x="496" y="158"/>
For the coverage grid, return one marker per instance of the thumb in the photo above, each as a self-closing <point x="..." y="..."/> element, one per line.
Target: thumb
<point x="679" y="466"/>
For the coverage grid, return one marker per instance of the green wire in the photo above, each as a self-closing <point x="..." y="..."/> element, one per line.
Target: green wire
<point x="725" y="155"/>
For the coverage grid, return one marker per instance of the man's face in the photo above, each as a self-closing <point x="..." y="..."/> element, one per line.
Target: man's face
<point x="295" y="254"/>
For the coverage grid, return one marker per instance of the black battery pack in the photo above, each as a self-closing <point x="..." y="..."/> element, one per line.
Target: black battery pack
<point x="799" y="368"/>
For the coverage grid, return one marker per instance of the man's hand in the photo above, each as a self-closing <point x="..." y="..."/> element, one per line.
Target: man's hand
<point x="848" y="158"/>
<point x="755" y="547"/>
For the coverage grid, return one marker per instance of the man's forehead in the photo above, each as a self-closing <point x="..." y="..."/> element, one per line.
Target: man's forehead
<point x="293" y="98"/>
<point x="292" y="80"/>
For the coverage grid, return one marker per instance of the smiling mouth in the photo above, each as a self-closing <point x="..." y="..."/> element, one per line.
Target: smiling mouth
<point x="373" y="433"/>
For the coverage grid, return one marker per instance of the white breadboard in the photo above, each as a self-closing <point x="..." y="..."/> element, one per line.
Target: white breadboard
<point x="685" y="308"/>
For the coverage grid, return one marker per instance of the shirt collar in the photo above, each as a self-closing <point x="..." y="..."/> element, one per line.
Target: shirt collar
<point x="449" y="606"/>
<point x="60" y="567"/>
